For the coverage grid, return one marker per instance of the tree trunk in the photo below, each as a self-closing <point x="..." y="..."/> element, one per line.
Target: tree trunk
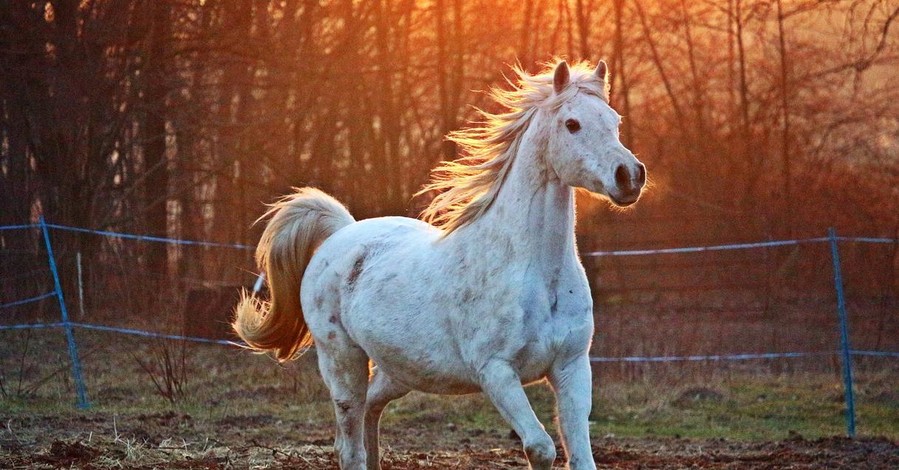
<point x="620" y="71"/>
<point x="583" y="28"/>
<point x="156" y="160"/>
<point x="785" y="150"/>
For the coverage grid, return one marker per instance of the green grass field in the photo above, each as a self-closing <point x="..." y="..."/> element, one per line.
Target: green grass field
<point x="216" y="382"/>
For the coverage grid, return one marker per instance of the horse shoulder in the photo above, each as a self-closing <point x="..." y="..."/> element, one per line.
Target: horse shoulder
<point x="573" y="316"/>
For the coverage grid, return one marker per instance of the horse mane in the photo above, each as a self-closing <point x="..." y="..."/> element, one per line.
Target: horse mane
<point x="467" y="186"/>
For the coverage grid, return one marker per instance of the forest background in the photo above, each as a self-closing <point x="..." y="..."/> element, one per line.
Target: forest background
<point x="757" y="119"/>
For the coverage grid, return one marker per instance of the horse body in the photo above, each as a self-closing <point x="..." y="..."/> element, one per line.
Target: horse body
<point x="431" y="312"/>
<point x="494" y="299"/>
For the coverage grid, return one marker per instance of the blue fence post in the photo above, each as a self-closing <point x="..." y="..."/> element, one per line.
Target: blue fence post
<point x="260" y="280"/>
<point x="844" y="334"/>
<point x="80" y="390"/>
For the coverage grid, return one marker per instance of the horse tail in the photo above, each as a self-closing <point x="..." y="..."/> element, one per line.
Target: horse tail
<point x="299" y="223"/>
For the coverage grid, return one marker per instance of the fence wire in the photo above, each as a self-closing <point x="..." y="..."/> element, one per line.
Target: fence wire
<point x="773" y="300"/>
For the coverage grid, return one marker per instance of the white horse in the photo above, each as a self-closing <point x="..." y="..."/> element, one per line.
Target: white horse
<point x="488" y="296"/>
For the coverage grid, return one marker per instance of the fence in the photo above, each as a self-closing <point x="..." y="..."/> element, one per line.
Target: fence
<point x="608" y="298"/>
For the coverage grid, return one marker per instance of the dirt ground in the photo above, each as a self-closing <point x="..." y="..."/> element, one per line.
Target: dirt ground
<point x="177" y="440"/>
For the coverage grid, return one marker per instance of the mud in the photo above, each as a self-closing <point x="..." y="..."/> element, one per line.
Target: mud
<point x="176" y="440"/>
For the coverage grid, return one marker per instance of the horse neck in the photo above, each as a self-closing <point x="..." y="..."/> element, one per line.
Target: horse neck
<point x="532" y="217"/>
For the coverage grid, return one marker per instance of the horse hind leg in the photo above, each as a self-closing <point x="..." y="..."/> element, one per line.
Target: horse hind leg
<point x="344" y="368"/>
<point x="381" y="391"/>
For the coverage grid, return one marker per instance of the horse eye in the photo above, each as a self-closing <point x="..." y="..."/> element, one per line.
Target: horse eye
<point x="572" y="125"/>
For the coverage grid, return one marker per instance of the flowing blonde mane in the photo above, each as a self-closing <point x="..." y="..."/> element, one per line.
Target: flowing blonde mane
<point x="468" y="186"/>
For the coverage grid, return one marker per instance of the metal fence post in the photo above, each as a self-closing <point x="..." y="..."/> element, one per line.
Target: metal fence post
<point x="844" y="334"/>
<point x="80" y="390"/>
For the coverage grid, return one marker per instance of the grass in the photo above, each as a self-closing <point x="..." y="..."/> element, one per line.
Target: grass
<point x="223" y="384"/>
<point x="753" y="410"/>
<point x="746" y="408"/>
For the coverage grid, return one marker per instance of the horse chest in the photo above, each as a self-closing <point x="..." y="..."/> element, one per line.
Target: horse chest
<point x="561" y="336"/>
<point x="543" y="323"/>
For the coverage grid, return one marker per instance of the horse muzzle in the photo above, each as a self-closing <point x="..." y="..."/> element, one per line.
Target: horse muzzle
<point x="629" y="182"/>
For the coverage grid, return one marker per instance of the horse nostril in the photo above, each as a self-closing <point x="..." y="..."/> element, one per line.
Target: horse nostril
<point x="622" y="177"/>
<point x="641" y="174"/>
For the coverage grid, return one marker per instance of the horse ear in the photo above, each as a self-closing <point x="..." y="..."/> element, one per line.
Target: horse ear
<point x="561" y="77"/>
<point x="602" y="71"/>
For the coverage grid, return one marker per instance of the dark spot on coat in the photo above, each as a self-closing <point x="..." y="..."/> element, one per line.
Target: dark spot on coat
<point x="497" y="344"/>
<point x="332" y="335"/>
<point x="356" y="271"/>
<point x="463" y="262"/>
<point x="381" y="292"/>
<point x="343" y="405"/>
<point x="332" y="319"/>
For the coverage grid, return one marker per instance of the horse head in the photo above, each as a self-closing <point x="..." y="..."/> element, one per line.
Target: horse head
<point x="583" y="147"/>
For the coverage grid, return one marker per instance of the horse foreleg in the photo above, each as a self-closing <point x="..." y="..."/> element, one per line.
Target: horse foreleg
<point x="573" y="386"/>
<point x="503" y="386"/>
<point x="381" y="391"/>
<point x="345" y="372"/>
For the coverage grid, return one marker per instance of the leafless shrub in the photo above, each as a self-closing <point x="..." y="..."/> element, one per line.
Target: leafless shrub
<point x="166" y="366"/>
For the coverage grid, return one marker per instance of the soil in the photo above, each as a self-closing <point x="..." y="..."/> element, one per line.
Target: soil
<point x="177" y="440"/>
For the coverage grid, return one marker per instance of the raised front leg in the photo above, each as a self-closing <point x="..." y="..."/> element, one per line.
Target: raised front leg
<point x="503" y="386"/>
<point x="573" y="386"/>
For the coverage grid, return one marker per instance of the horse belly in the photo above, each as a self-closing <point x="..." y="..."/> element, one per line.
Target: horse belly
<point x="429" y="370"/>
